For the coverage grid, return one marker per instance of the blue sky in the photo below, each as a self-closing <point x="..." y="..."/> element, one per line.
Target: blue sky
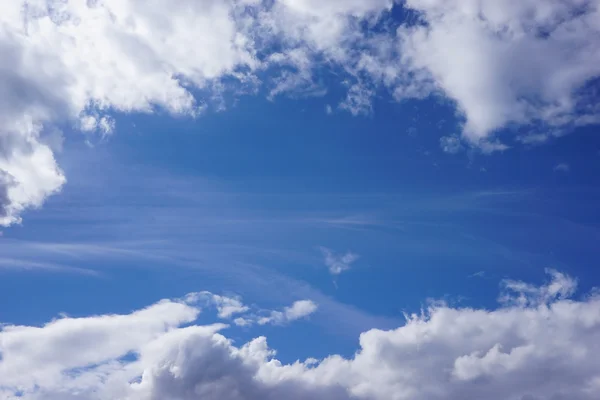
<point x="430" y="186"/>
<point x="175" y="206"/>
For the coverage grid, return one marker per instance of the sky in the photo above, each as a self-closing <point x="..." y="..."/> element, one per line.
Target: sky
<point x="299" y="199"/>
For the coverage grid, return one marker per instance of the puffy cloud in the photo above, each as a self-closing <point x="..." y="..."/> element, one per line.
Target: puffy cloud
<point x="338" y="263"/>
<point x="544" y="348"/>
<point x="42" y="355"/>
<point x="76" y="62"/>
<point x="327" y="26"/>
<point x="508" y="61"/>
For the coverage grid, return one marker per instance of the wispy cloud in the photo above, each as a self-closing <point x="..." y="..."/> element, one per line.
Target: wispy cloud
<point x="226" y="306"/>
<point x="338" y="263"/>
<point x="30" y="265"/>
<point x="298" y="310"/>
<point x="479" y="274"/>
<point x="562" y="167"/>
<point x="451" y="144"/>
<point x="230" y="306"/>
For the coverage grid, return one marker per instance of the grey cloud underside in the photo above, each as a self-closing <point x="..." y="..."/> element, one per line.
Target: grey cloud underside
<point x="541" y="345"/>
<point x="4" y="200"/>
<point x="501" y="62"/>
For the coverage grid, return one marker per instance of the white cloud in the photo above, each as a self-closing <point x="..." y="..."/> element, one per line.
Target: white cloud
<point x="544" y="348"/>
<point x="74" y="60"/>
<point x="77" y="62"/>
<point x="562" y="167"/>
<point x="327" y="26"/>
<point x="226" y="306"/>
<point x="300" y="309"/>
<point x="507" y="61"/>
<point x="338" y="263"/>
<point x="523" y="294"/>
<point x="451" y="144"/>
<point x="358" y="100"/>
<point x="42" y="355"/>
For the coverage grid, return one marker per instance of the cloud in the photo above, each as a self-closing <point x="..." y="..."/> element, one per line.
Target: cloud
<point x="226" y="306"/>
<point x="300" y="309"/>
<point x="506" y="61"/>
<point x="543" y="348"/>
<point x="358" y="100"/>
<point x="451" y="144"/>
<point x="338" y="263"/>
<point x="522" y="294"/>
<point x="562" y="167"/>
<point x="44" y="355"/>
<point x="76" y="64"/>
<point x="478" y="274"/>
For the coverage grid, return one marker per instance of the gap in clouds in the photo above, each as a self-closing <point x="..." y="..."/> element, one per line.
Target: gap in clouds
<point x="158" y="230"/>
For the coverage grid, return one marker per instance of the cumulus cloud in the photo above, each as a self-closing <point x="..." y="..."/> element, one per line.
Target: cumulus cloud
<point x="77" y="62"/>
<point x="544" y="348"/>
<point x="507" y="61"/>
<point x="298" y="310"/>
<point x="338" y="263"/>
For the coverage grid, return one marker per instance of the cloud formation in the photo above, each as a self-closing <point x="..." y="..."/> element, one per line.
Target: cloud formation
<point x="74" y="63"/>
<point x="228" y="307"/>
<point x="508" y="61"/>
<point x="300" y="309"/>
<point x="562" y="167"/>
<point x="543" y="348"/>
<point x="451" y="144"/>
<point x="338" y="263"/>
